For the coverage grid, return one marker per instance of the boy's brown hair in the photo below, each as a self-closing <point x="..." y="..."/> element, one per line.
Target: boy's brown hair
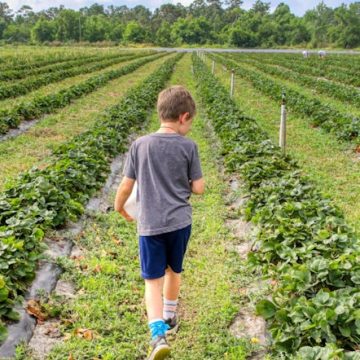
<point x="174" y="101"/>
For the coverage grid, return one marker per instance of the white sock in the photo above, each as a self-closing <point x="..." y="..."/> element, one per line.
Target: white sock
<point x="169" y="310"/>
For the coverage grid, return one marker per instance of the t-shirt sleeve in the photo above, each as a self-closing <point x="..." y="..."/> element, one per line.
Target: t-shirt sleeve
<point x="195" y="172"/>
<point x="129" y="167"/>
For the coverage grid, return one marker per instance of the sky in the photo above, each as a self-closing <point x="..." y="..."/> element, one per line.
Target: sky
<point x="298" y="7"/>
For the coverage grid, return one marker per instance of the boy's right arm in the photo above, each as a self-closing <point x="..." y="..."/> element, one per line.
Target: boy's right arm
<point x="123" y="192"/>
<point x="198" y="186"/>
<point x="195" y="172"/>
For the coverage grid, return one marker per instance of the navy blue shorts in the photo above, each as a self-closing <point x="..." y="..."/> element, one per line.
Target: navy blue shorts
<point x="157" y="252"/>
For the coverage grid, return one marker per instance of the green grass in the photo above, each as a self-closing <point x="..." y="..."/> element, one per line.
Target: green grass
<point x="333" y="165"/>
<point x="34" y="146"/>
<point x="109" y="299"/>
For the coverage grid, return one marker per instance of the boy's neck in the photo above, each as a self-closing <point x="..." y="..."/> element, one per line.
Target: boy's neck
<point x="169" y="128"/>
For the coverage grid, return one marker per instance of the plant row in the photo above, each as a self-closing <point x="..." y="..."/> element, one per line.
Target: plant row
<point x="302" y="240"/>
<point x="23" y="63"/>
<point x="47" y="104"/>
<point x="341" y="62"/>
<point x="338" y="91"/>
<point x="32" y="83"/>
<point x="20" y="74"/>
<point x="303" y="66"/>
<point x="12" y="73"/>
<point x="348" y="64"/>
<point x="343" y="126"/>
<point x="46" y="198"/>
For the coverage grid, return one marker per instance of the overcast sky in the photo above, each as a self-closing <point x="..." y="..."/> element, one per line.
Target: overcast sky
<point x="298" y="7"/>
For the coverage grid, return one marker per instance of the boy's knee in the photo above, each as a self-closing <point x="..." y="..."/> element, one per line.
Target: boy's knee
<point x="158" y="282"/>
<point x="170" y="271"/>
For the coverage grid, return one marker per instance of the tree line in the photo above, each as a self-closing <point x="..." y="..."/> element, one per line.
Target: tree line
<point x="203" y="22"/>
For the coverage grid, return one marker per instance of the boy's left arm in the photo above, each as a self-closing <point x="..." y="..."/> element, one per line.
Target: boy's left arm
<point x="123" y="192"/>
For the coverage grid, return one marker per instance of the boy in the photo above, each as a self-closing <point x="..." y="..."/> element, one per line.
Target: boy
<point x="167" y="169"/>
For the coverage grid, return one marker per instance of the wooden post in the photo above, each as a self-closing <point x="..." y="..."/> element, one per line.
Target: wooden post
<point x="282" y="135"/>
<point x="232" y="83"/>
<point x="213" y="67"/>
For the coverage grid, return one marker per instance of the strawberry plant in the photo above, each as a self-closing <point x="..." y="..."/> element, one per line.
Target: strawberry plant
<point x="302" y="240"/>
<point x="46" y="198"/>
<point x="337" y="91"/>
<point x="49" y="103"/>
<point x="22" y="73"/>
<point x="32" y="83"/>
<point x="345" y="126"/>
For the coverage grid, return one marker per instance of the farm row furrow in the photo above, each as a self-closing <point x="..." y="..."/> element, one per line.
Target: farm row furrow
<point x="345" y="126"/>
<point x="32" y="83"/>
<point x="20" y="74"/>
<point x="46" y="198"/>
<point x="344" y="76"/>
<point x="49" y="103"/>
<point x="23" y="62"/>
<point x="302" y="240"/>
<point x="334" y="90"/>
<point x="347" y="64"/>
<point x="332" y="164"/>
<point x="109" y="264"/>
<point x="34" y="146"/>
<point x="343" y="63"/>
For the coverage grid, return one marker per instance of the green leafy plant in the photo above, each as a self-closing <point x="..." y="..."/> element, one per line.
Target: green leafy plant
<point x="302" y="240"/>
<point x="47" y="198"/>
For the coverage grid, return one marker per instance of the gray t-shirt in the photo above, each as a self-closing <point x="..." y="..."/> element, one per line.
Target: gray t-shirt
<point x="163" y="164"/>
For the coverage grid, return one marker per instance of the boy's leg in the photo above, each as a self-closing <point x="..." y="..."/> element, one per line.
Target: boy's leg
<point x="172" y="284"/>
<point x="153" y="298"/>
<point x="171" y="293"/>
<point x="175" y="255"/>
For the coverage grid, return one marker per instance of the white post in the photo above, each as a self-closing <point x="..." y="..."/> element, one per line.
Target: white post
<point x="282" y="136"/>
<point x="232" y="83"/>
<point x="213" y="67"/>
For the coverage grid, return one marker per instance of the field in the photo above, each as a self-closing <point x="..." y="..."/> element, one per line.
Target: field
<point x="272" y="270"/>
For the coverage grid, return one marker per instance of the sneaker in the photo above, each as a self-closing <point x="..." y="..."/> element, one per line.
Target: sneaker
<point x="160" y="348"/>
<point x="173" y="324"/>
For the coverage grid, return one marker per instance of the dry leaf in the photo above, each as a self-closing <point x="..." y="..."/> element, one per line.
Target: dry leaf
<point x="88" y="335"/>
<point x="77" y="258"/>
<point x="357" y="149"/>
<point x="116" y="240"/>
<point x="33" y="307"/>
<point x="70" y="357"/>
<point x="85" y="333"/>
<point x="97" y="268"/>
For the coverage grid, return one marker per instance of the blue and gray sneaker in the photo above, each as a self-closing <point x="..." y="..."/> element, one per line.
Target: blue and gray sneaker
<point x="173" y="324"/>
<point x="160" y="349"/>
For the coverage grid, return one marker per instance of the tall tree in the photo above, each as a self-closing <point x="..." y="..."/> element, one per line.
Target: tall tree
<point x="5" y="12"/>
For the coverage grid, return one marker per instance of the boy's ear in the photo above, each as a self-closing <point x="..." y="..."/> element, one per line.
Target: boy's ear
<point x="184" y="117"/>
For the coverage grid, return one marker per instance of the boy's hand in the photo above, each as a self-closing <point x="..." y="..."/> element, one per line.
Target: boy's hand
<point x="125" y="215"/>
